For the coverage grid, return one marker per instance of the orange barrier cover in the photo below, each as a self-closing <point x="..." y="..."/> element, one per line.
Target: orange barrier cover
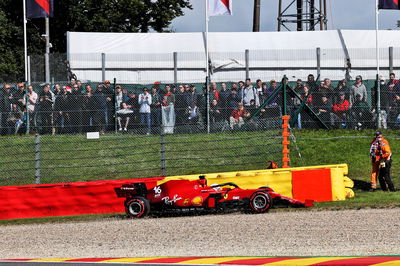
<point x="312" y="184"/>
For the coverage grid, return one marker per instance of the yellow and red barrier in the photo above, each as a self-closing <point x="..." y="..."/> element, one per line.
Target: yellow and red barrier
<point x="318" y="183"/>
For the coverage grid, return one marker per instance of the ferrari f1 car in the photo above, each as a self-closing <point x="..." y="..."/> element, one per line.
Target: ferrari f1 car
<point x="185" y="196"/>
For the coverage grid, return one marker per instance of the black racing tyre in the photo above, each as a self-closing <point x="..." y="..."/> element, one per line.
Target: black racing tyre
<point x="137" y="207"/>
<point x="260" y="202"/>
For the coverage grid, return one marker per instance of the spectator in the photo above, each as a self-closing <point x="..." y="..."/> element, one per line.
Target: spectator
<point x="234" y="86"/>
<point x="118" y="97"/>
<point x="259" y="88"/>
<point x="155" y="108"/>
<point x="341" y="108"/>
<point x="133" y="104"/>
<point x="192" y="115"/>
<point x="392" y="79"/>
<point x="32" y="100"/>
<point x="360" y="113"/>
<point x="89" y="88"/>
<point x="192" y="97"/>
<point x="123" y="116"/>
<point x="240" y="91"/>
<point x="6" y="99"/>
<point x="328" y="88"/>
<point x="214" y="94"/>
<point x="100" y="99"/>
<point x="393" y="87"/>
<point x="88" y="111"/>
<point x="57" y="91"/>
<point x="75" y="107"/>
<point x="324" y="111"/>
<point x="311" y="83"/>
<point x="238" y="116"/>
<point x="14" y="119"/>
<point x="80" y="87"/>
<point x="386" y="99"/>
<point x="341" y="87"/>
<point x="125" y="96"/>
<point x="62" y="119"/>
<point x="218" y="119"/>
<point x="109" y="92"/>
<point x="223" y="100"/>
<point x="46" y="104"/>
<point x="250" y="93"/>
<point x="145" y="111"/>
<point x="306" y="95"/>
<point x="358" y="88"/>
<point x="272" y="101"/>
<point x="168" y="112"/>
<point x="19" y="96"/>
<point x="180" y="105"/>
<point x="216" y="112"/>
<point x="233" y="101"/>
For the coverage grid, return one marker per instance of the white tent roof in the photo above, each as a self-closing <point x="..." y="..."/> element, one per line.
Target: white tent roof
<point x="139" y="57"/>
<point x="119" y="43"/>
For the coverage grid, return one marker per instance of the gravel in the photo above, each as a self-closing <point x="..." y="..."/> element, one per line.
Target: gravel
<point x="296" y="233"/>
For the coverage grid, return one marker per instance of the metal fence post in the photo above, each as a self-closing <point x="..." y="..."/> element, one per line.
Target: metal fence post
<point x="37" y="159"/>
<point x="318" y="61"/>
<point x="247" y="64"/>
<point x="162" y="152"/>
<point x="116" y="107"/>
<point x="390" y="59"/>
<point x="103" y="66"/>
<point x="175" y="55"/>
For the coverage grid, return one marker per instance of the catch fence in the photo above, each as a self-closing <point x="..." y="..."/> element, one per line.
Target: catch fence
<point x="42" y="159"/>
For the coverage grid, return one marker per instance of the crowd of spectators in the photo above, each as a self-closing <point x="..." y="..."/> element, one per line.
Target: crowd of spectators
<point x="77" y="108"/>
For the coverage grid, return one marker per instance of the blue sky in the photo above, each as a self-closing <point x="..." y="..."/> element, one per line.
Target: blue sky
<point x="342" y="14"/>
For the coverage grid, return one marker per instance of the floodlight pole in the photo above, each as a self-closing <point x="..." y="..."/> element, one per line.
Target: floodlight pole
<point x="378" y="87"/>
<point x="207" y="72"/>
<point x="25" y="44"/>
<point x="47" y="54"/>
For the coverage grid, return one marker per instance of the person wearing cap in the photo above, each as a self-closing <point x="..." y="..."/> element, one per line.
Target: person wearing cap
<point x="381" y="159"/>
<point x="358" y="88"/>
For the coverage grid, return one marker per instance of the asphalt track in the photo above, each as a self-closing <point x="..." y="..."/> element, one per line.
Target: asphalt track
<point x="373" y="260"/>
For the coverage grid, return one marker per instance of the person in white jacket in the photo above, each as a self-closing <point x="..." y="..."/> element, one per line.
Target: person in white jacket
<point x="145" y="111"/>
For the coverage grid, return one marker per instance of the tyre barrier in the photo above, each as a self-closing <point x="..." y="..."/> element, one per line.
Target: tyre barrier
<point x="317" y="183"/>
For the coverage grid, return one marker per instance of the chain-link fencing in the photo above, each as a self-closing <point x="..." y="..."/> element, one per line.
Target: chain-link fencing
<point x="67" y="158"/>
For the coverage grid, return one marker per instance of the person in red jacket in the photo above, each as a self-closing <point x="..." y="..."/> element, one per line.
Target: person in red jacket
<point x="341" y="108"/>
<point x="381" y="159"/>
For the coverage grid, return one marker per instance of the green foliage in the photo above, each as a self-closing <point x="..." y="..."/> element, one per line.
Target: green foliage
<point x="77" y="15"/>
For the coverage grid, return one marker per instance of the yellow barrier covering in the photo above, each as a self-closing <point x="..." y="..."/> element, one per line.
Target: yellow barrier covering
<point x="280" y="180"/>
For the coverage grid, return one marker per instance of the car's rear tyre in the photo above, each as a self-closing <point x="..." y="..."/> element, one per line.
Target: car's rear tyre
<point x="137" y="207"/>
<point x="260" y="202"/>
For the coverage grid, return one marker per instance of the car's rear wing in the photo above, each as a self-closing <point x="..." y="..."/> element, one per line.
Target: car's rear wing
<point x="133" y="189"/>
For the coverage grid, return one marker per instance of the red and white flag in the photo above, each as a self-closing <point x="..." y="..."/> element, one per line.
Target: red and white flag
<point x="219" y="7"/>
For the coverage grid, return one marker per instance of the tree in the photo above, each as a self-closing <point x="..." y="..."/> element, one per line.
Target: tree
<point x="78" y="15"/>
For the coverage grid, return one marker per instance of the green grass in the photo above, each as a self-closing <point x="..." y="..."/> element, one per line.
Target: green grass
<point x="69" y="158"/>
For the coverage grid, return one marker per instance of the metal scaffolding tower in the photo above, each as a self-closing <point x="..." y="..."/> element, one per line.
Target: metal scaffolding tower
<point x="306" y="14"/>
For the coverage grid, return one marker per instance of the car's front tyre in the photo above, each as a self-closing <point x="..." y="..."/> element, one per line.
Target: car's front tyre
<point x="137" y="207"/>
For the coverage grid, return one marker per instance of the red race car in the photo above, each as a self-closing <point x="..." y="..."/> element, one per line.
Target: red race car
<point x="186" y="196"/>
